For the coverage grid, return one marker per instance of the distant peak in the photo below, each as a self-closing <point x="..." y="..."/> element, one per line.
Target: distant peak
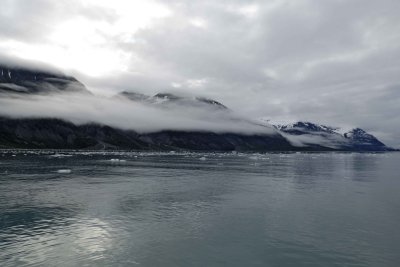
<point x="358" y="133"/>
<point x="134" y="95"/>
<point x="28" y="80"/>
<point x="305" y="125"/>
<point x="211" y="102"/>
<point x="357" y="130"/>
<point x="168" y="96"/>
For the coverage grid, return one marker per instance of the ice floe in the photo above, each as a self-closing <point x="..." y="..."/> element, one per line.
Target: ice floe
<point x="64" y="171"/>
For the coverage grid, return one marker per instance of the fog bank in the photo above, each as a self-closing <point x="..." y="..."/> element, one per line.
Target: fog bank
<point x="125" y="114"/>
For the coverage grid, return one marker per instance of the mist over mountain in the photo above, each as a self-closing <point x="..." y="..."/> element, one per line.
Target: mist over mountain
<point x="47" y="109"/>
<point x="25" y="80"/>
<point x="327" y="62"/>
<point x="169" y="99"/>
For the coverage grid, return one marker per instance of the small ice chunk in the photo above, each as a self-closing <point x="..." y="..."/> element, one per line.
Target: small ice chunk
<point x="202" y="158"/>
<point x="117" y="160"/>
<point x="60" y="155"/>
<point x="64" y="171"/>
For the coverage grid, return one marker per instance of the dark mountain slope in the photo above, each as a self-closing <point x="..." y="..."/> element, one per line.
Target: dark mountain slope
<point x="58" y="134"/>
<point x="19" y="80"/>
<point x="361" y="140"/>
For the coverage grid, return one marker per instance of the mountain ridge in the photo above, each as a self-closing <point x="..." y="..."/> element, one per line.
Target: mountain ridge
<point x="169" y="98"/>
<point x="355" y="138"/>
<point x="61" y="134"/>
<point x="20" y="80"/>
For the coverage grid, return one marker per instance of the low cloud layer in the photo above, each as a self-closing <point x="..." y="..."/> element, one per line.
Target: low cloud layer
<point x="125" y="114"/>
<point x="333" y="62"/>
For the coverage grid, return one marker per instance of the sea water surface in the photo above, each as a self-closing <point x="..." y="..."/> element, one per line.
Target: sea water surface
<point x="194" y="209"/>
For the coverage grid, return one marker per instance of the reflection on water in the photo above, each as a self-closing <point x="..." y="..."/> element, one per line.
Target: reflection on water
<point x="187" y="209"/>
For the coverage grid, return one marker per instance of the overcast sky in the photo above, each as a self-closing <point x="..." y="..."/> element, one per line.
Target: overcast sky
<point x="334" y="61"/>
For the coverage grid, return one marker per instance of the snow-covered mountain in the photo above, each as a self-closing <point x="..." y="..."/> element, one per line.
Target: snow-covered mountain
<point x="363" y="140"/>
<point x="317" y="135"/>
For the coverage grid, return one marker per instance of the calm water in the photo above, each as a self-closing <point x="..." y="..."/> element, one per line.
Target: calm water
<point x="149" y="209"/>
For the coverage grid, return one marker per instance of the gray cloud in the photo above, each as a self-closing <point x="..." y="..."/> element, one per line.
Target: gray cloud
<point x="335" y="62"/>
<point x="34" y="20"/>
